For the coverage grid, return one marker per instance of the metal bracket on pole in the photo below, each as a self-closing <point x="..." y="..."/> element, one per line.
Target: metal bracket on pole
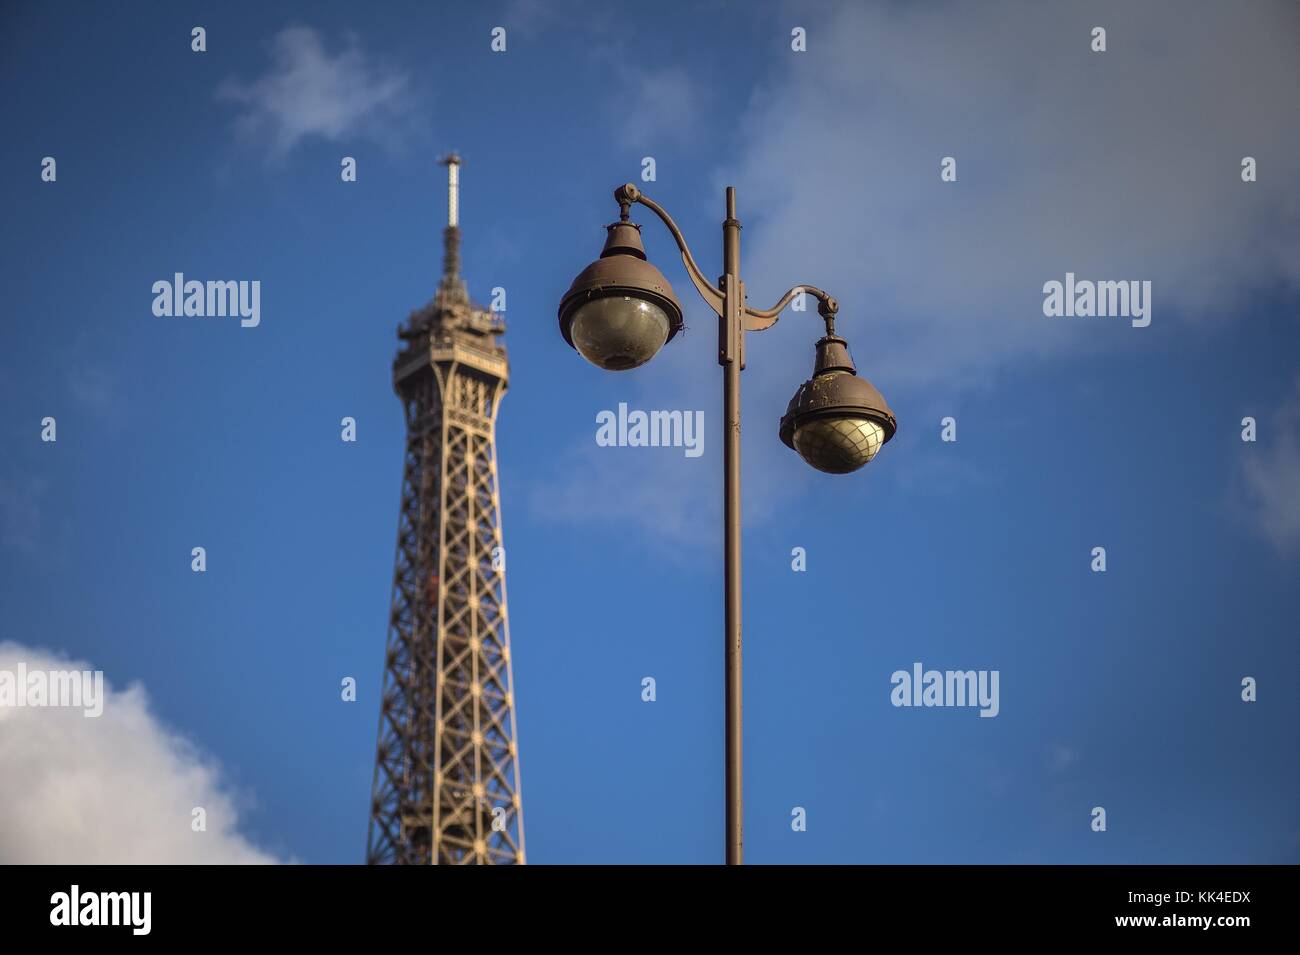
<point x="731" y="333"/>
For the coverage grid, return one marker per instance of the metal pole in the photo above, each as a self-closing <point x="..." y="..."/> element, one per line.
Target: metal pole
<point x="731" y="359"/>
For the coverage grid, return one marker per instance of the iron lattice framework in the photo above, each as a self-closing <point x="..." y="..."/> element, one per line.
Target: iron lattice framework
<point x="446" y="785"/>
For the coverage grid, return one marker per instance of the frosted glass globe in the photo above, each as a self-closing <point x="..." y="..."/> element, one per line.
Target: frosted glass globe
<point x="838" y="445"/>
<point x="618" y="332"/>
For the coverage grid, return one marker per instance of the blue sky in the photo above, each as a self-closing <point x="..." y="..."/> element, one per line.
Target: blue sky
<point x="1119" y="690"/>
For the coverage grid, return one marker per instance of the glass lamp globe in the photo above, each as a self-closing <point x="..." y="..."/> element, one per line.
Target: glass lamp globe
<point x="838" y="445"/>
<point x="618" y="332"/>
<point x="620" y="310"/>
<point x="837" y="421"/>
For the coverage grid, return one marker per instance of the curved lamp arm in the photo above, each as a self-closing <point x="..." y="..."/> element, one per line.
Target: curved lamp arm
<point x="827" y="306"/>
<point x="627" y="194"/>
<point x="754" y="319"/>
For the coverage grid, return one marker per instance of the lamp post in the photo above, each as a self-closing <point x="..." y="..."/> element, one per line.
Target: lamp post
<point x="620" y="311"/>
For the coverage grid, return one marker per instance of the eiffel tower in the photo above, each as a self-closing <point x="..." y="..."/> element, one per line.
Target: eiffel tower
<point x="446" y="785"/>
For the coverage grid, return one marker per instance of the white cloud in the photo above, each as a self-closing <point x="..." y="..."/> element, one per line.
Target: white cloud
<point x="307" y="92"/>
<point x="1271" y="476"/>
<point x="114" y="789"/>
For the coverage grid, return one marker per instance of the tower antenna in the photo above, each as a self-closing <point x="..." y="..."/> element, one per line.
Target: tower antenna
<point x="452" y="162"/>
<point x="452" y="283"/>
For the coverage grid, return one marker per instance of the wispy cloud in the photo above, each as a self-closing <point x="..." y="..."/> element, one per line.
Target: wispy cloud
<point x="1270" y="473"/>
<point x="117" y="789"/>
<point x="1124" y="164"/>
<point x="309" y="92"/>
<point x="534" y="17"/>
<point x="1116" y="165"/>
<point x="96" y="388"/>
<point x="1061" y="757"/>
<point x="658" y="106"/>
<point x="94" y="382"/>
<point x="651" y="491"/>
<point x="20" y="513"/>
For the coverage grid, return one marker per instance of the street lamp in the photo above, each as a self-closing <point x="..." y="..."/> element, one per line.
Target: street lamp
<point x="836" y="420"/>
<point x="620" y="311"/>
